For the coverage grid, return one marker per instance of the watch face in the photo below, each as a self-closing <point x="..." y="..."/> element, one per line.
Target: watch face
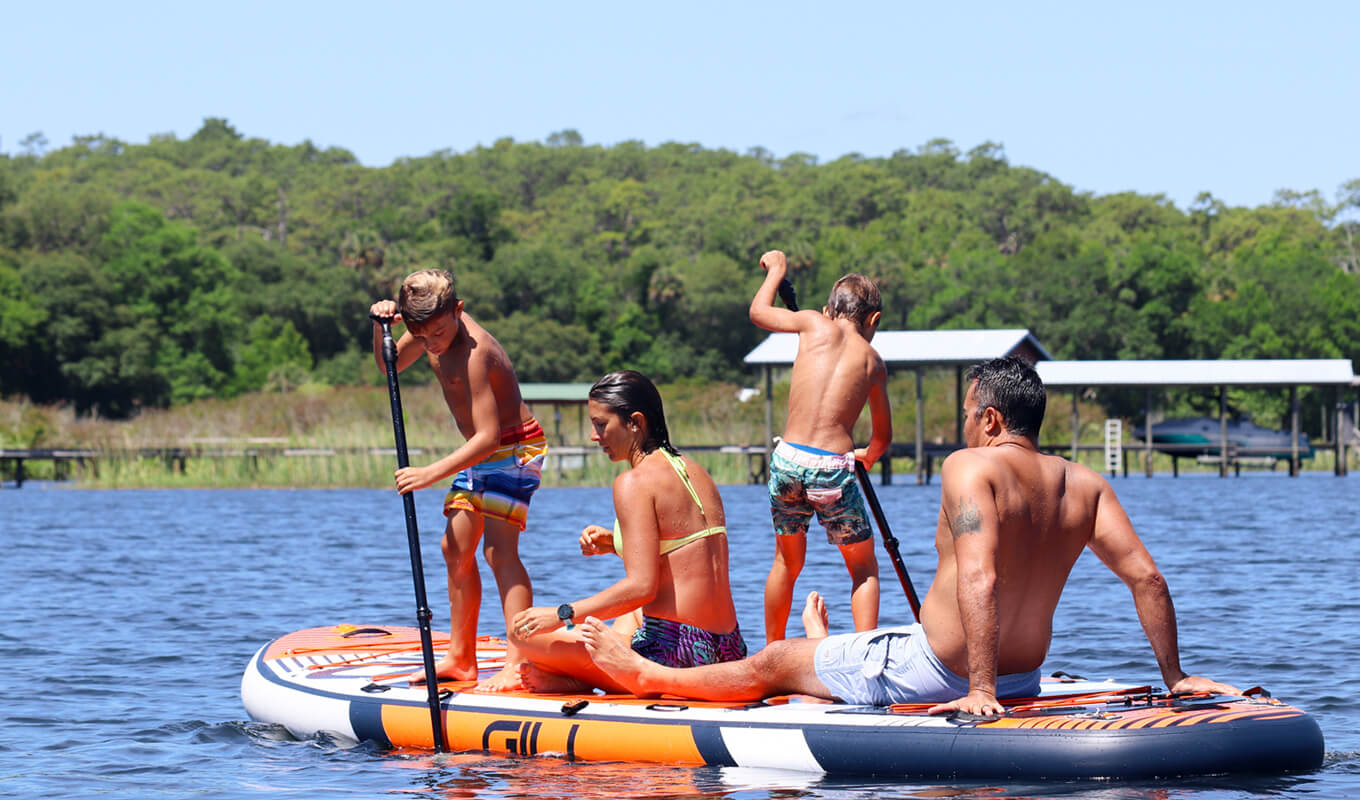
<point x="565" y="612"/>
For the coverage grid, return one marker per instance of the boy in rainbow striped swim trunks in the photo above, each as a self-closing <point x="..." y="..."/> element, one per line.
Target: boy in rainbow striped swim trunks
<point x="812" y="470"/>
<point x="495" y="472"/>
<point x="501" y="485"/>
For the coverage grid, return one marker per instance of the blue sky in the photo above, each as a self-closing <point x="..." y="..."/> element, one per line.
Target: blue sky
<point x="1239" y="99"/>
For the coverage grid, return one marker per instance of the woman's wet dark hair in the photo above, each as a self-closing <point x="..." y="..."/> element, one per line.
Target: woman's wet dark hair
<point x="1013" y="388"/>
<point x="627" y="391"/>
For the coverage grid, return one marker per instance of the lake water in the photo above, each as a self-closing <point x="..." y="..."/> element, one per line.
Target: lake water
<point x="130" y="616"/>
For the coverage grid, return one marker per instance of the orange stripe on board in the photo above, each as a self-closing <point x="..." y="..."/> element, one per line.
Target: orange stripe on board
<point x="1230" y="716"/>
<point x="592" y="740"/>
<point x="1185" y="718"/>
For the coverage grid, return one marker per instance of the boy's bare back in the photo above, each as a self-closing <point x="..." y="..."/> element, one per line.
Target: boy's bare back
<point x="835" y="372"/>
<point x="832" y="376"/>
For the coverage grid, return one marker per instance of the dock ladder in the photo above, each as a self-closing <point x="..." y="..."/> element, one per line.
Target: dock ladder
<point x="1114" y="446"/>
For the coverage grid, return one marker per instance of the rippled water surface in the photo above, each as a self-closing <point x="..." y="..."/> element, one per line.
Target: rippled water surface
<point x="130" y="616"/>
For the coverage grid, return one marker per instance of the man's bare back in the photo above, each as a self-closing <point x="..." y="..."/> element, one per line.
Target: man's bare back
<point x="1041" y="504"/>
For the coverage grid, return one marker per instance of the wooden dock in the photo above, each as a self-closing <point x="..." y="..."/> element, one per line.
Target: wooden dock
<point x="566" y="457"/>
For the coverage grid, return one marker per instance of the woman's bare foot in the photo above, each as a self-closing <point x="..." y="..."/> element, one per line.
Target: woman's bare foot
<point x="615" y="658"/>
<point x="507" y="679"/>
<point x="816" y="622"/>
<point x="536" y="679"/>
<point x="445" y="669"/>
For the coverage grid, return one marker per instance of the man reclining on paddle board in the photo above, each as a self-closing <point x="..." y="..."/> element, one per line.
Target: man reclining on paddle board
<point x="1012" y="523"/>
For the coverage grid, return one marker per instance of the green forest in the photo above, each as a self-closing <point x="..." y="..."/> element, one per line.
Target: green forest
<point x="150" y="275"/>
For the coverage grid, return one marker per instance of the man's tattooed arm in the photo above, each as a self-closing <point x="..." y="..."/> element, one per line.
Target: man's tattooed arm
<point x="967" y="518"/>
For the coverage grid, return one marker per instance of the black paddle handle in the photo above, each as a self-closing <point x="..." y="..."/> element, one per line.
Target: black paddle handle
<point x="788" y="295"/>
<point x="389" y="351"/>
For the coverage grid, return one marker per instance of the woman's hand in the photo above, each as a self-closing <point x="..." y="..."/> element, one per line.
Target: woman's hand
<point x="596" y="540"/>
<point x="533" y="621"/>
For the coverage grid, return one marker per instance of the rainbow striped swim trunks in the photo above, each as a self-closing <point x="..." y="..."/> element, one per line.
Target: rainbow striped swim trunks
<point x="500" y="486"/>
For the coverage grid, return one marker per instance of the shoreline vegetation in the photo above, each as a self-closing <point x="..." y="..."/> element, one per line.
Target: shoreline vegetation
<point x="318" y="436"/>
<point x="173" y="302"/>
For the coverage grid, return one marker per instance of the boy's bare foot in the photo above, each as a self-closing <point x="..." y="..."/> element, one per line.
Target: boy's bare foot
<point x="613" y="657"/>
<point x="536" y="679"/>
<point x="816" y="622"/>
<point x="445" y="669"/>
<point x="505" y="680"/>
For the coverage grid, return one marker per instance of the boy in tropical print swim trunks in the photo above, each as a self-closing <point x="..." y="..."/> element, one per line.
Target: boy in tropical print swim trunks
<point x="495" y="472"/>
<point x="812" y="470"/>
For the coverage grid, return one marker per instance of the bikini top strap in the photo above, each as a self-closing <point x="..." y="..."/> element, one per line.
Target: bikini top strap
<point x="678" y="464"/>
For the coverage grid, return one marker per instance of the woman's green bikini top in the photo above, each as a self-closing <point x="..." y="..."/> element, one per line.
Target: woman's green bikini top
<point x="668" y="545"/>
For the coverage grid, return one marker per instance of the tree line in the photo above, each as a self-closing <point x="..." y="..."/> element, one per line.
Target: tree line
<point x="135" y="275"/>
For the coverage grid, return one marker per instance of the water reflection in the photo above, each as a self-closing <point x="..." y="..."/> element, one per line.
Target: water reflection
<point x="474" y="775"/>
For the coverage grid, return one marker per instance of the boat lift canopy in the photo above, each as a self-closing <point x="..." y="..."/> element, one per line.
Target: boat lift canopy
<point x="1226" y="372"/>
<point x="1282" y="372"/>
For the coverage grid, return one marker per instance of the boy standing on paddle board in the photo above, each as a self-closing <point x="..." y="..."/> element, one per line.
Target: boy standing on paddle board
<point x="495" y="471"/>
<point x="813" y="467"/>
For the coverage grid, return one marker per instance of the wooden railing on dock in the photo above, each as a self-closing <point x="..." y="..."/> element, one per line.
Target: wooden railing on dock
<point x="563" y="457"/>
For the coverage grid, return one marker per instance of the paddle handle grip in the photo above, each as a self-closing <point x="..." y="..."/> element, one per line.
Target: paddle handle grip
<point x="788" y="295"/>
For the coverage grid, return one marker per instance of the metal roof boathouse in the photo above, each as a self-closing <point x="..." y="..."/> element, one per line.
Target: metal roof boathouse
<point x="1280" y="372"/>
<point x="919" y="350"/>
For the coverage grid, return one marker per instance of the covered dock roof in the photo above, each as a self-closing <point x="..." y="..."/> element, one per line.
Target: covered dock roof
<point x="1226" y="372"/>
<point x="558" y="395"/>
<point x="1289" y="373"/>
<point x="921" y="348"/>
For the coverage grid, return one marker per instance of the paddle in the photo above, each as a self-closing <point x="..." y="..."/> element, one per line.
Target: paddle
<point x="389" y="350"/>
<point x="790" y="299"/>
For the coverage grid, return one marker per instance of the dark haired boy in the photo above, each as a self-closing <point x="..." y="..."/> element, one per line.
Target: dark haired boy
<point x="495" y="472"/>
<point x="813" y="467"/>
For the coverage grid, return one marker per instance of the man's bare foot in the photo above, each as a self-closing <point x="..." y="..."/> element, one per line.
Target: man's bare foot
<point x="536" y="679"/>
<point x="613" y="657"/>
<point x="506" y="680"/>
<point x="815" y="619"/>
<point x="445" y="669"/>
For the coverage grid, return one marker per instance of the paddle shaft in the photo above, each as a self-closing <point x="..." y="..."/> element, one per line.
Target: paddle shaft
<point x="889" y="541"/>
<point x="790" y="299"/>
<point x="389" y="350"/>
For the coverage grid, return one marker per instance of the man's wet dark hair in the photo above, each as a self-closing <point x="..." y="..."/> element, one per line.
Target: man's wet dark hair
<point x="1013" y="388"/>
<point x="627" y="391"/>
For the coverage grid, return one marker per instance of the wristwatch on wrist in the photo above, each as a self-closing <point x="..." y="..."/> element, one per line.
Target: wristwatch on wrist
<point x="565" y="613"/>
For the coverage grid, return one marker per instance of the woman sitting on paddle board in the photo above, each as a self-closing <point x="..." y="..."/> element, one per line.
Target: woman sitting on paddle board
<point x="674" y="603"/>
